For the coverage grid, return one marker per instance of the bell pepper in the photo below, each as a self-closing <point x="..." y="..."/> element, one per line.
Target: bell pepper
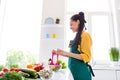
<point x="30" y="66"/>
<point x="37" y="68"/>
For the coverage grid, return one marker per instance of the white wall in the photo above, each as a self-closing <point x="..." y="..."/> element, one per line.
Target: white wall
<point x="54" y="9"/>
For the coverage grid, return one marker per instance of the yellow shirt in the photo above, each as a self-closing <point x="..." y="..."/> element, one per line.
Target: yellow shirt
<point x="85" y="47"/>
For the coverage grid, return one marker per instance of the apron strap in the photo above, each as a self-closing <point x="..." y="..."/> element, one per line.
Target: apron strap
<point x="91" y="70"/>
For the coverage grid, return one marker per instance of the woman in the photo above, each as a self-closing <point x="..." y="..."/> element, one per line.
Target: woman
<point x="80" y="49"/>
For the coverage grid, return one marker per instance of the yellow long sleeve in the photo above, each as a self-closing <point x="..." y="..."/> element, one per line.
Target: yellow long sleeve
<point x="85" y="47"/>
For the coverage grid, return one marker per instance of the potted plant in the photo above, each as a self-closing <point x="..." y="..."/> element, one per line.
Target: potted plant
<point x="57" y="21"/>
<point x="114" y="54"/>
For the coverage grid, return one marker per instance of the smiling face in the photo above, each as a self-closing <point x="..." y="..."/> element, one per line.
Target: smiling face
<point x="74" y="25"/>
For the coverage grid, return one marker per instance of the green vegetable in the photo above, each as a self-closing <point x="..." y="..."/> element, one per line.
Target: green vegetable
<point x="59" y="61"/>
<point x="38" y="75"/>
<point x="1" y="67"/>
<point x="64" y="67"/>
<point x="26" y="75"/>
<point x="26" y="79"/>
<point x="14" y="66"/>
<point x="12" y="75"/>
<point x="32" y="73"/>
<point x="63" y="63"/>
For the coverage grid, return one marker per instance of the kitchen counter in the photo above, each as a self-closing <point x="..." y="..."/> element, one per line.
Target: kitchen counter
<point x="106" y="67"/>
<point x="106" y="72"/>
<point x="98" y="70"/>
<point x="60" y="75"/>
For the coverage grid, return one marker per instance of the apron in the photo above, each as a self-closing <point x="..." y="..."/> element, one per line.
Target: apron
<point x="79" y="69"/>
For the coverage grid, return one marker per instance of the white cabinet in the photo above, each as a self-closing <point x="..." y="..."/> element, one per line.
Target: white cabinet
<point x="105" y="75"/>
<point x="118" y="75"/>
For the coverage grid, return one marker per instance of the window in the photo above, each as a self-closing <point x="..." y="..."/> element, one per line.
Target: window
<point x="21" y="28"/>
<point x="100" y="36"/>
<point x="99" y="25"/>
<point x="87" y="5"/>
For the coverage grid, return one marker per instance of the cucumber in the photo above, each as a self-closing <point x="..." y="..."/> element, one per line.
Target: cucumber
<point x="26" y="79"/>
<point x="38" y="75"/>
<point x="33" y="77"/>
<point x="26" y="75"/>
<point x="32" y="73"/>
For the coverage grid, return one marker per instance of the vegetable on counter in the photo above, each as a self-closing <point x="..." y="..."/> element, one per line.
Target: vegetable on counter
<point x="33" y="74"/>
<point x="5" y="70"/>
<point x="30" y="66"/>
<point x="15" y="69"/>
<point x="1" y="73"/>
<point x="36" y="67"/>
<point x="26" y="75"/>
<point x="46" y="74"/>
<point x="57" y="68"/>
<point x="11" y="75"/>
<point x="1" y="67"/>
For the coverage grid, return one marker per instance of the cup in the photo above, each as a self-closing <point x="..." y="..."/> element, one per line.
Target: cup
<point x="47" y="36"/>
<point x="54" y="35"/>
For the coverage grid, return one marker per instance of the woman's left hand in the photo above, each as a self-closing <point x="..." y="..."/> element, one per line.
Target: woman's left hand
<point x="62" y="52"/>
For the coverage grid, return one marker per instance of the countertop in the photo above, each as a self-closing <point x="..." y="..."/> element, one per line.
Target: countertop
<point x="106" y="67"/>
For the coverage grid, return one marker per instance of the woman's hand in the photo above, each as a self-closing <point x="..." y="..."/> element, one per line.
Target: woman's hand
<point x="54" y="51"/>
<point x="62" y="53"/>
<point x="68" y="54"/>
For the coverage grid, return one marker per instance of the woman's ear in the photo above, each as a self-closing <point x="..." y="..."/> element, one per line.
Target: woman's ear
<point x="78" y="21"/>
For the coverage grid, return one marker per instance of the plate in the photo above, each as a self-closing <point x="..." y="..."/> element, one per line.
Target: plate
<point x="49" y="20"/>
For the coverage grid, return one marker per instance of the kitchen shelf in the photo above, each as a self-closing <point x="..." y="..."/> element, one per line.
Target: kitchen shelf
<point x="52" y="37"/>
<point x="47" y="31"/>
<point x="52" y="25"/>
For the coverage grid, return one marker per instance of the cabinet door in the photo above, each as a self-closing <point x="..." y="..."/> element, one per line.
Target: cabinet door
<point x="118" y="75"/>
<point x="104" y="75"/>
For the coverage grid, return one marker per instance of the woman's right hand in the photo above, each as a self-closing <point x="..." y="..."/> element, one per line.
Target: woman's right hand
<point x="54" y="51"/>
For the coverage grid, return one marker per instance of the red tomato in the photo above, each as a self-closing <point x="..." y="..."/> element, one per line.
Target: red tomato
<point x="15" y="69"/>
<point x="5" y="70"/>
<point x="1" y="73"/>
<point x="12" y="69"/>
<point x="18" y="69"/>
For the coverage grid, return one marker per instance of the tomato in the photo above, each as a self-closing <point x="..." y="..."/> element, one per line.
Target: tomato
<point x="15" y="69"/>
<point x="5" y="70"/>
<point x="1" y="73"/>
